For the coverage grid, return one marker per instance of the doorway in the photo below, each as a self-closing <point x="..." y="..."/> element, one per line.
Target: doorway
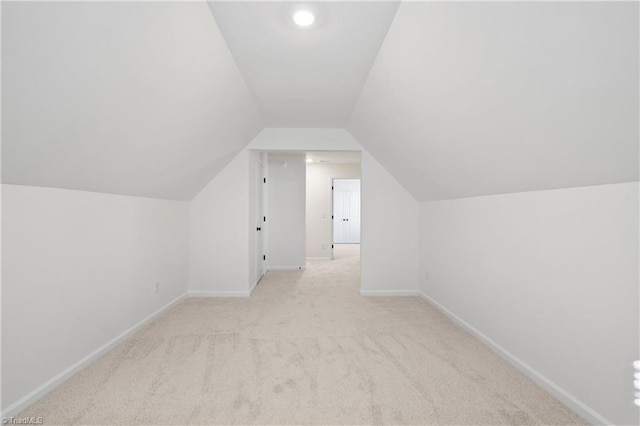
<point x="325" y="170"/>
<point x="292" y="209"/>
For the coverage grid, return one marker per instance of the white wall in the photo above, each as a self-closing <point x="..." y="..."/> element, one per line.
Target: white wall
<point x="389" y="245"/>
<point x="221" y="255"/>
<point x="319" y="204"/>
<point x="78" y="270"/>
<point x="305" y="139"/>
<point x="390" y="229"/>
<point x="220" y="224"/>
<point x="552" y="278"/>
<point x="286" y="211"/>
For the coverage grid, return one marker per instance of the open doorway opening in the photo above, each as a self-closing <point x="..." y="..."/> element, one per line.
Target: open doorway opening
<point x="292" y="212"/>
<point x="333" y="205"/>
<point x="346" y="217"/>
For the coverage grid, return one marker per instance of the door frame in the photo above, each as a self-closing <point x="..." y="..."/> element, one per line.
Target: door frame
<point x="260" y="235"/>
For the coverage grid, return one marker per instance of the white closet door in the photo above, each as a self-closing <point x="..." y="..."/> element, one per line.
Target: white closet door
<point x="346" y="211"/>
<point x="339" y="223"/>
<point x="260" y="263"/>
<point x="353" y="218"/>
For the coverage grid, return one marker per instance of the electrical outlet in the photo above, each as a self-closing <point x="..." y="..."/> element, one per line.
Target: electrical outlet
<point x="157" y="287"/>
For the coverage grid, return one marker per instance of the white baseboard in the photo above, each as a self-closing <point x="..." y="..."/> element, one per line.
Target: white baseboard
<point x="319" y="258"/>
<point x="245" y="293"/>
<point x="386" y="293"/>
<point x="286" y="268"/>
<point x="253" y="287"/>
<point x="33" y="396"/>
<point x="565" y="397"/>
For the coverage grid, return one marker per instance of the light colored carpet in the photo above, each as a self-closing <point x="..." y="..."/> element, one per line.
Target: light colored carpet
<point x="306" y="348"/>
<point x="344" y="251"/>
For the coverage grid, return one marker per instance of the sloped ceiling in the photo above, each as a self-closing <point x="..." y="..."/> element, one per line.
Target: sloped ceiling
<point x="119" y="97"/>
<point x="462" y="99"/>
<point x="305" y="77"/>
<point x="478" y="98"/>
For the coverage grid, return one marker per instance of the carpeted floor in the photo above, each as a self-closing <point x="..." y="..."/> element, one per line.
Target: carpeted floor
<point x="305" y="348"/>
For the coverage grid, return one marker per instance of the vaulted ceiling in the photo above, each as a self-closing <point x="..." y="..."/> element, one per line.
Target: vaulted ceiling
<point x="133" y="98"/>
<point x="479" y="98"/>
<point x="304" y="77"/>
<point x="454" y="99"/>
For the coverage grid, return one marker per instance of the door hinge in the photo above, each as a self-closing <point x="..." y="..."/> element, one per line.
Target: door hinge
<point x="331" y="245"/>
<point x="264" y="180"/>
<point x="332" y="188"/>
<point x="264" y="257"/>
<point x="264" y="218"/>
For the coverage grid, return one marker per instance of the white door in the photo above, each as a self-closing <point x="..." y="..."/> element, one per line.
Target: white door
<point x="346" y="211"/>
<point x="260" y="221"/>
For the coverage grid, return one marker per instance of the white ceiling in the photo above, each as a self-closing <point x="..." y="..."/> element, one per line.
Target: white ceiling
<point x="338" y="157"/>
<point x="304" y="77"/>
<point x="119" y="97"/>
<point x="462" y="99"/>
<point x="478" y="98"/>
<point x="321" y="157"/>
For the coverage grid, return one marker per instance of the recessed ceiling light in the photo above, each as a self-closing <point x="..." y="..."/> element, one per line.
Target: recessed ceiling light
<point x="303" y="18"/>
